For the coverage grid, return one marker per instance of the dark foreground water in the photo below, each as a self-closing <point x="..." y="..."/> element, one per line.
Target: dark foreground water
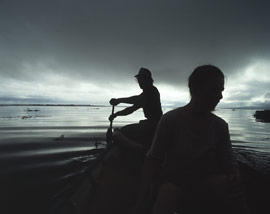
<point x="45" y="150"/>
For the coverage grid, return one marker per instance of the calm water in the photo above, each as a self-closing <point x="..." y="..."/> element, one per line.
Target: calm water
<point x="34" y="158"/>
<point x="35" y="131"/>
<point x="20" y="124"/>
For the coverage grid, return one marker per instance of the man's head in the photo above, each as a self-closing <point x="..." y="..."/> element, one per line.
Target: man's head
<point x="144" y="78"/>
<point x="206" y="84"/>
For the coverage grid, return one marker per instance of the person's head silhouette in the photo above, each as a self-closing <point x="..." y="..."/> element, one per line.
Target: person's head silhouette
<point x="144" y="78"/>
<point x="206" y="84"/>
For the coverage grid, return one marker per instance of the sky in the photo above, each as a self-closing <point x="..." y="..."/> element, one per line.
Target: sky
<point x="88" y="51"/>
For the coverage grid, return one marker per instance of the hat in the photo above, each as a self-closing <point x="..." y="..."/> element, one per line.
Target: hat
<point x="144" y="72"/>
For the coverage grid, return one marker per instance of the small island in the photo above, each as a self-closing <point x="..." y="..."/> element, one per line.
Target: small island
<point x="262" y="116"/>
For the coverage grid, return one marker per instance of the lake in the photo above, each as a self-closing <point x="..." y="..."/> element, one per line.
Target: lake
<point x="44" y="149"/>
<point x="19" y="124"/>
<point x="47" y="132"/>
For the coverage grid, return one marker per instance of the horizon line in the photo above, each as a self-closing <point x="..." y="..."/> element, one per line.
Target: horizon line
<point x="100" y="105"/>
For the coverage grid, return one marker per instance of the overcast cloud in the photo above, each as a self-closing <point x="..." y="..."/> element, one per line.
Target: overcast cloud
<point x="75" y="51"/>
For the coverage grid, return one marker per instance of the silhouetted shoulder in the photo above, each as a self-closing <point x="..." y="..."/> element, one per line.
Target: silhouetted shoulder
<point x="218" y="121"/>
<point x="152" y="90"/>
<point x="173" y="114"/>
<point x="155" y="88"/>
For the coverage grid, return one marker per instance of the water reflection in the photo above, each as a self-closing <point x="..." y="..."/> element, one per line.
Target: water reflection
<point x="245" y="130"/>
<point x="69" y="121"/>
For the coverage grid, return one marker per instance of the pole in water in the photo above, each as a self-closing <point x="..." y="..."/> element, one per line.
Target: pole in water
<point x="109" y="131"/>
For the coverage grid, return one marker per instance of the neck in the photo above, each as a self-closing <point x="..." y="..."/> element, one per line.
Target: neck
<point x="146" y="87"/>
<point x="196" y="108"/>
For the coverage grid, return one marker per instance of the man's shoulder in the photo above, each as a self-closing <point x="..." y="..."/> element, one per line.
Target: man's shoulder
<point x="151" y="89"/>
<point x="218" y="120"/>
<point x="174" y="113"/>
<point x="151" y="93"/>
<point x="154" y="89"/>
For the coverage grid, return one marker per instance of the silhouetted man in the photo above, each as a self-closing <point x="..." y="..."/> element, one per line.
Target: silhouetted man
<point x="122" y="169"/>
<point x="191" y="152"/>
<point x="149" y="101"/>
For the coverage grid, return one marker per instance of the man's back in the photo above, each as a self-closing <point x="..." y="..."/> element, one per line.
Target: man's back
<point x="151" y="104"/>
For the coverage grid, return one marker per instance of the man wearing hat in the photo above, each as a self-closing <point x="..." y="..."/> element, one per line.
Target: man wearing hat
<point x="149" y="100"/>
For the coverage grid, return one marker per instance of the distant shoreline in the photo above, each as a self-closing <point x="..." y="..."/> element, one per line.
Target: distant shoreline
<point x="98" y="105"/>
<point x="72" y="105"/>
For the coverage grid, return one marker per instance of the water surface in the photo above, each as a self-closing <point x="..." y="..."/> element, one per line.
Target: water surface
<point x="44" y="150"/>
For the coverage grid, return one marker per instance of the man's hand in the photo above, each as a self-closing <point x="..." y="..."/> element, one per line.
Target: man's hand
<point x="112" y="116"/>
<point x="114" y="102"/>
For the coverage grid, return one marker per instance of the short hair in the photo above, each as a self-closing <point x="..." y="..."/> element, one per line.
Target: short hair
<point x="202" y="75"/>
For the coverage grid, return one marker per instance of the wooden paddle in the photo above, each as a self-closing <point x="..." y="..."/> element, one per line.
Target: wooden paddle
<point x="109" y="131"/>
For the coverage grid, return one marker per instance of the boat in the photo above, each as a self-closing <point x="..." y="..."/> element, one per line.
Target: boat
<point x="108" y="173"/>
<point x="110" y="186"/>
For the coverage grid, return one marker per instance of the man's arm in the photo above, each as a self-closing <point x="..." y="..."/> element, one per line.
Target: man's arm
<point x="135" y="100"/>
<point x="125" y="112"/>
<point x="227" y="159"/>
<point x="128" y="100"/>
<point x="226" y="156"/>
